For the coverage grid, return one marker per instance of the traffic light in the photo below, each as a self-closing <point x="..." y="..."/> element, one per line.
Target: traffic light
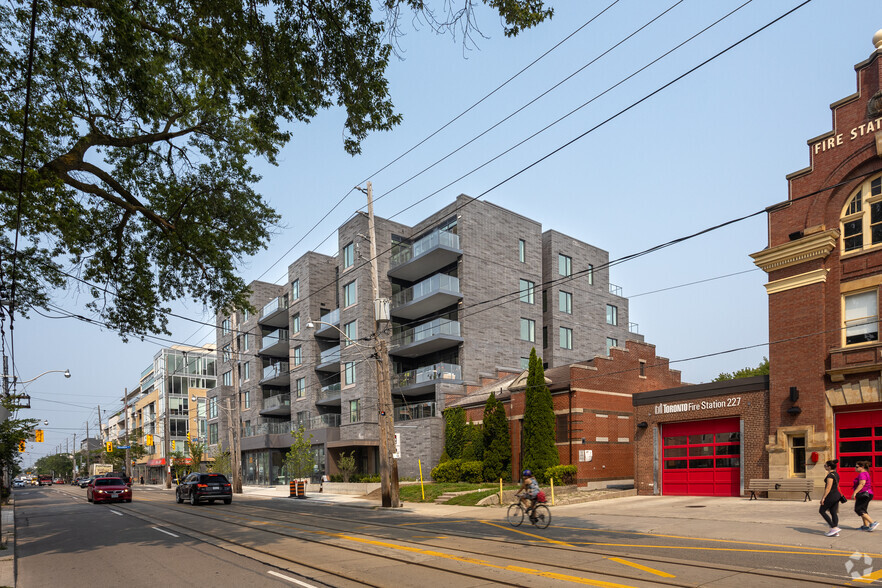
<point x="109" y="447"/>
<point x="38" y="435"/>
<point x="148" y="440"/>
<point x="21" y="446"/>
<point x="173" y="444"/>
<point x="188" y="436"/>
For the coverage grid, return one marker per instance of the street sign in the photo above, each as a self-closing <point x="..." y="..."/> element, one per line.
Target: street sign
<point x="123" y="446"/>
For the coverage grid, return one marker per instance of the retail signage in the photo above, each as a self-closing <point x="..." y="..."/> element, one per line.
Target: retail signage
<point x="730" y="402"/>
<point x="834" y="141"/>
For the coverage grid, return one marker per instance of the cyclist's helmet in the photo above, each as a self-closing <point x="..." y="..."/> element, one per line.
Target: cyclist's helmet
<point x="528" y="474"/>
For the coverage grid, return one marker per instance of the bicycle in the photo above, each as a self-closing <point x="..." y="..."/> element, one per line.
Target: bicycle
<point x="541" y="515"/>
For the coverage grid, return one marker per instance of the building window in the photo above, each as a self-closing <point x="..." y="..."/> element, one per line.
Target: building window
<point x="212" y="434"/>
<point x="522" y="251"/>
<point x="227" y="353"/>
<point x="566" y="338"/>
<point x="525" y="363"/>
<point x="245" y="345"/>
<point x="247" y="398"/>
<point x="354" y="411"/>
<point x="212" y="407"/>
<point x="228" y="378"/>
<point x="295" y="323"/>
<point x="528" y="330"/>
<point x="351" y="332"/>
<point x="247" y="428"/>
<point x="298" y="355"/>
<point x="349" y="294"/>
<point x="642" y="369"/>
<point x="863" y="216"/>
<point x="300" y="388"/>
<point x="526" y="290"/>
<point x="348" y="255"/>
<point x="544" y="300"/>
<point x="348" y="373"/>
<point x="295" y="289"/>
<point x="303" y="420"/>
<point x="225" y="327"/>
<point x="612" y="315"/>
<point x="544" y="337"/>
<point x="590" y="274"/>
<point x="564" y="265"/>
<point x="610" y="343"/>
<point x="861" y="320"/>
<point x="561" y="428"/>
<point x="245" y="315"/>
<point x="565" y="302"/>
<point x="246" y="371"/>
<point x="797" y="457"/>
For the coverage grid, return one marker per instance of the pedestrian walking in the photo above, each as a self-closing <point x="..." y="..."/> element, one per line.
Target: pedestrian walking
<point x="830" y="501"/>
<point x="863" y="494"/>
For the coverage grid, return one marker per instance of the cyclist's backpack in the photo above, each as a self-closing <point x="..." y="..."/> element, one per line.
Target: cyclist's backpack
<point x="540" y="497"/>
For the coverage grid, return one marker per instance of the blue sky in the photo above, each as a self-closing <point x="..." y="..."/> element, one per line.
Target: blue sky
<point x="712" y="147"/>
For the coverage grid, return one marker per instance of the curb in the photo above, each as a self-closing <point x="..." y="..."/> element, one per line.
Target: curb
<point x="7" y="539"/>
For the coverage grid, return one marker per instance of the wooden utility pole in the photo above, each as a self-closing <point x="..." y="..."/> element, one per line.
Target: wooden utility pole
<point x="233" y="407"/>
<point x="88" y="457"/>
<point x="388" y="465"/>
<point x="128" y="466"/>
<point x="166" y="442"/>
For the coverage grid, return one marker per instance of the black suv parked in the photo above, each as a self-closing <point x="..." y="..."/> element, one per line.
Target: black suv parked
<point x="201" y="487"/>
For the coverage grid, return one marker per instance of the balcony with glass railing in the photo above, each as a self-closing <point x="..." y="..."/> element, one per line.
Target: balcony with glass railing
<point x="615" y="290"/>
<point x="329" y="360"/>
<point x="324" y="327"/>
<point x="275" y="313"/>
<point x="427" y="338"/>
<point x="276" y="374"/>
<point x="426" y="255"/>
<point x="275" y="344"/>
<point x="412" y="412"/>
<point x="634" y="328"/>
<point x="278" y="405"/>
<point x="329" y="395"/>
<point x="324" y="421"/>
<point x="283" y="428"/>
<point x="426" y="297"/>
<point x="418" y="379"/>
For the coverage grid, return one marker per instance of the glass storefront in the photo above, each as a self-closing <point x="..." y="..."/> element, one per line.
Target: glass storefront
<point x="266" y="467"/>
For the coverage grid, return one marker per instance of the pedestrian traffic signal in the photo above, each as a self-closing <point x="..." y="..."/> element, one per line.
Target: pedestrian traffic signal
<point x="109" y="446"/>
<point x="21" y="446"/>
<point x="148" y="440"/>
<point x="38" y="435"/>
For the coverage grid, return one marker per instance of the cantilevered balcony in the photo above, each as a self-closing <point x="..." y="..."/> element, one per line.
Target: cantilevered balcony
<point x="324" y="421"/>
<point x="329" y="360"/>
<point x="420" y="379"/>
<point x="426" y="297"/>
<point x="278" y="405"/>
<point x="426" y="338"/>
<point x="275" y="344"/>
<point x="276" y="374"/>
<point x="424" y="256"/>
<point x="275" y="313"/>
<point x="412" y="412"/>
<point x="329" y="395"/>
<point x="327" y="331"/>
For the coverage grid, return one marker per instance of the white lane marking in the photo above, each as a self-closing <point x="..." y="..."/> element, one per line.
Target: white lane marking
<point x="116" y="512"/>
<point x="164" y="531"/>
<point x="284" y="577"/>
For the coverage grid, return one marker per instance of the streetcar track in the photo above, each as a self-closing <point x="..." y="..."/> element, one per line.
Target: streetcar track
<point x="222" y="515"/>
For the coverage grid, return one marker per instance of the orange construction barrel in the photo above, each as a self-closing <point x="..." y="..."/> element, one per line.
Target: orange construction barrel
<point x="301" y="489"/>
<point x="292" y="489"/>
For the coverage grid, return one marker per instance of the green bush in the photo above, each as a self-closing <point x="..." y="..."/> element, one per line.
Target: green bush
<point x="448" y="471"/>
<point x="564" y="475"/>
<point x="471" y="472"/>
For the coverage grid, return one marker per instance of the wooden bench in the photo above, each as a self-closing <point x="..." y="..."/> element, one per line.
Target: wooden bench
<point x="782" y="485"/>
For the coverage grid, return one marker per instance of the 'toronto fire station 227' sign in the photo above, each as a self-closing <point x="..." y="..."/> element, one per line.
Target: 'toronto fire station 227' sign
<point x="730" y="402"/>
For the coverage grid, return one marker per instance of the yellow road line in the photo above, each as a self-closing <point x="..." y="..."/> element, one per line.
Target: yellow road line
<point x="869" y="578"/>
<point x="737" y="550"/>
<point x="642" y="567"/>
<point x="538" y="537"/>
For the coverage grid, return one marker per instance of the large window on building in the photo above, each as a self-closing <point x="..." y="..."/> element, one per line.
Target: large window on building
<point x="351" y="331"/>
<point x="227" y="353"/>
<point x="295" y="323"/>
<point x="212" y="407"/>
<point x="610" y="343"/>
<point x="862" y="217"/>
<point x="797" y="456"/>
<point x="527" y="289"/>
<point x="612" y="315"/>
<point x="348" y="373"/>
<point x="565" y="302"/>
<point x="228" y="378"/>
<point x="246" y="371"/>
<point x="295" y="289"/>
<point x="528" y="330"/>
<point x="300" y="388"/>
<point x="246" y="396"/>
<point x="226" y="327"/>
<point x="564" y="265"/>
<point x="349" y="255"/>
<point x="354" y="411"/>
<point x="861" y="317"/>
<point x="522" y="251"/>
<point x="212" y="434"/>
<point x="298" y="355"/>
<point x="349" y="294"/>
<point x="566" y="338"/>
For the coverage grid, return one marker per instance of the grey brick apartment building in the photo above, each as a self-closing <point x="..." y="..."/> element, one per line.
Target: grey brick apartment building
<point x="467" y="293"/>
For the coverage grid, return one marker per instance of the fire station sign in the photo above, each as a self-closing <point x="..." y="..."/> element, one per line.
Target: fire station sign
<point x="673" y="407"/>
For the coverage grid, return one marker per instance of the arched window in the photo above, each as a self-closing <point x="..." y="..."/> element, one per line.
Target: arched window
<point x="862" y="217"/>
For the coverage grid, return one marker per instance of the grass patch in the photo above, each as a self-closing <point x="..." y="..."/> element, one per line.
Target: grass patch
<point x="412" y="492"/>
<point x="473" y="498"/>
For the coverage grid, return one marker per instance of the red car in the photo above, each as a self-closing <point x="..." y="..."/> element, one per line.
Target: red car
<point x="108" y="490"/>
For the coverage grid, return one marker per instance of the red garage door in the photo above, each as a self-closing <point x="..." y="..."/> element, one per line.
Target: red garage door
<point x="859" y="438"/>
<point x="702" y="458"/>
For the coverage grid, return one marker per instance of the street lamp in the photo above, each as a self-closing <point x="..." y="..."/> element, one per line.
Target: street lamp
<point x="6" y="376"/>
<point x="388" y="467"/>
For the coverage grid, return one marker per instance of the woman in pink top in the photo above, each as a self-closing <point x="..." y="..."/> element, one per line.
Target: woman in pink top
<point x="863" y="494"/>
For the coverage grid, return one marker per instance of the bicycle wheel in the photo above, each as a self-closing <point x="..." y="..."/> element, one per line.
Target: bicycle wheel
<point x="515" y="515"/>
<point x="542" y="515"/>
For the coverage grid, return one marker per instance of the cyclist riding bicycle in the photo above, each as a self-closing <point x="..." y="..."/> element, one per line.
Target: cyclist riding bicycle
<point x="529" y="490"/>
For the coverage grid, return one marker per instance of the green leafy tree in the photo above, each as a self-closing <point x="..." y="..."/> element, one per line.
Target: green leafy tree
<point x="12" y="431"/>
<point x="117" y="458"/>
<point x="497" y="441"/>
<point x="299" y="458"/>
<point x="58" y="465"/>
<point x="196" y="451"/>
<point x="473" y="449"/>
<point x="143" y="123"/>
<point x="540" y="452"/>
<point x="221" y="463"/>
<point x="761" y="370"/>
<point x="346" y="465"/>
<point x="179" y="464"/>
<point x="454" y="432"/>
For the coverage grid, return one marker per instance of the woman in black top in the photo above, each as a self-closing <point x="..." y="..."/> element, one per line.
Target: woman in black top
<point x="830" y="500"/>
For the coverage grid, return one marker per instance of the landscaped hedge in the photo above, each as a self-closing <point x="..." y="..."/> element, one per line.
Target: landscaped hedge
<point x="457" y="470"/>
<point x="564" y="475"/>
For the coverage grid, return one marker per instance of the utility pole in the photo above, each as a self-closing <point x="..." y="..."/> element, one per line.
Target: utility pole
<point x="388" y="465"/>
<point x="73" y="455"/>
<point x="88" y="457"/>
<point x="128" y="467"/>
<point x="235" y="451"/>
<point x="166" y="443"/>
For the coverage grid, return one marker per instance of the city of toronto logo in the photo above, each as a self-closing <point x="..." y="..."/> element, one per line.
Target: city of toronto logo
<point x="859" y="565"/>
